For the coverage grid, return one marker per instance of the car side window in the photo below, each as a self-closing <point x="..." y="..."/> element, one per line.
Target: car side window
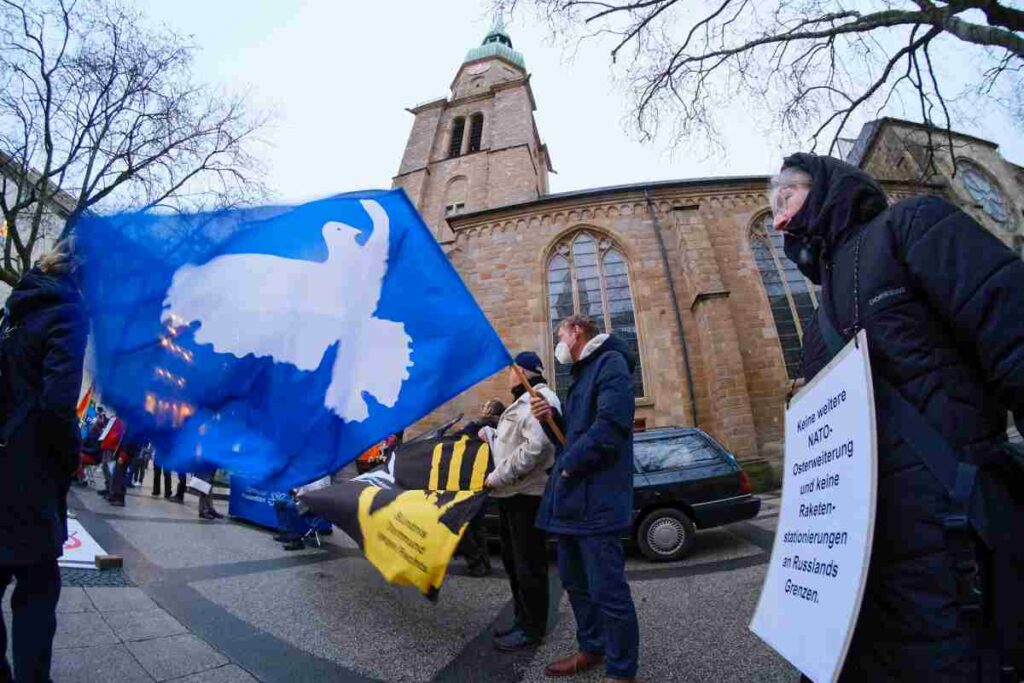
<point x="674" y="452"/>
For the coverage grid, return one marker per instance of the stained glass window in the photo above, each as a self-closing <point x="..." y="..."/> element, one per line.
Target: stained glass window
<point x="588" y="275"/>
<point x="791" y="297"/>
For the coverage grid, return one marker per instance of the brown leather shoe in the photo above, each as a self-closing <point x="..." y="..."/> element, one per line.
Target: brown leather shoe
<point x="573" y="664"/>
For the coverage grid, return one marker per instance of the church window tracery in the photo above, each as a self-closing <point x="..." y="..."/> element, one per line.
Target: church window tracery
<point x="983" y="190"/>
<point x="588" y="274"/>
<point x="792" y="297"/>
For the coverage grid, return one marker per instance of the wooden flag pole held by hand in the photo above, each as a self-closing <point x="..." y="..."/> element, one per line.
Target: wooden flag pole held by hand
<point x="533" y="394"/>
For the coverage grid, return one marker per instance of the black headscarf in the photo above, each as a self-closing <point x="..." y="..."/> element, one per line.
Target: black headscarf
<point x="841" y="197"/>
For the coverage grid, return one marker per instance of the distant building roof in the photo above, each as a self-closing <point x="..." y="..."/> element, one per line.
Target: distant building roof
<point x="614" y="189"/>
<point x="63" y="203"/>
<point x="861" y="148"/>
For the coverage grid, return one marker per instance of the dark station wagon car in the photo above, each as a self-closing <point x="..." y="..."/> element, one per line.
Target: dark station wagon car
<point x="683" y="480"/>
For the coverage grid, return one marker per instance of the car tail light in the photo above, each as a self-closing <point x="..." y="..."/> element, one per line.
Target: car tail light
<point x="745" y="485"/>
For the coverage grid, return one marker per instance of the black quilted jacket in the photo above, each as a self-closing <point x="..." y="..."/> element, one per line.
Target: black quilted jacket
<point x="942" y="302"/>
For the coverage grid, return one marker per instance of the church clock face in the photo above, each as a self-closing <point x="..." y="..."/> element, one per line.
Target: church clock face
<point x="983" y="190"/>
<point x="477" y="69"/>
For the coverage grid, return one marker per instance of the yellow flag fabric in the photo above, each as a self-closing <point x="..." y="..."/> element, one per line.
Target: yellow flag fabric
<point x="409" y="516"/>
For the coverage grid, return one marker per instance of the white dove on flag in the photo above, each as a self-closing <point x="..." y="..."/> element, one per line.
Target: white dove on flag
<point x="293" y="311"/>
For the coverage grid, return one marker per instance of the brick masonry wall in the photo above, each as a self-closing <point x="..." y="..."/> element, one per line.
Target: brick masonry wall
<point x="504" y="261"/>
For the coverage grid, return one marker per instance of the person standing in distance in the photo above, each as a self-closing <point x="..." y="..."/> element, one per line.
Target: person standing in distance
<point x="588" y="501"/>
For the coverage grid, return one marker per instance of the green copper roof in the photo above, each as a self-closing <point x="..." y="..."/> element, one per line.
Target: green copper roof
<point x="497" y="43"/>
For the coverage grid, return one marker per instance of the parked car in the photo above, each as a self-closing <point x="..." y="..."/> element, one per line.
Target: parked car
<point x="683" y="480"/>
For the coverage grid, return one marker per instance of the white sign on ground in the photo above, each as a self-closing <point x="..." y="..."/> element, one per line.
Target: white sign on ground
<point x="811" y="596"/>
<point x="81" y="549"/>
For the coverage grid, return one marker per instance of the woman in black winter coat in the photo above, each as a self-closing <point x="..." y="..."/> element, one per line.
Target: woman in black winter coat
<point x="42" y="344"/>
<point x="942" y="302"/>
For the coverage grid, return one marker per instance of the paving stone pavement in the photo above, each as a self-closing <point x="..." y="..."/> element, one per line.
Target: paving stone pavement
<point x="119" y="634"/>
<point x="220" y="602"/>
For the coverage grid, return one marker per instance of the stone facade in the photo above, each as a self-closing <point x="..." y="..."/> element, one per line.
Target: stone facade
<point x="727" y="374"/>
<point x="511" y="164"/>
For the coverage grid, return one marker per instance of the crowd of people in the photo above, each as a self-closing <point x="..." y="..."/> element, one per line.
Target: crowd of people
<point x="943" y="593"/>
<point x="122" y="457"/>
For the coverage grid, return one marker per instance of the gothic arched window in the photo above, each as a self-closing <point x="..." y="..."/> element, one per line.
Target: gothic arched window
<point x="455" y="142"/>
<point x="792" y="297"/>
<point x="476" y="132"/>
<point x="587" y="274"/>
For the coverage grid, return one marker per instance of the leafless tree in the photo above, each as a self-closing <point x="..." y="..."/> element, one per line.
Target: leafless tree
<point x="814" y="64"/>
<point x="99" y="112"/>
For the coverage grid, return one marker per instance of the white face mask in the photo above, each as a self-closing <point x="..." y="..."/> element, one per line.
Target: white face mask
<point x="562" y="354"/>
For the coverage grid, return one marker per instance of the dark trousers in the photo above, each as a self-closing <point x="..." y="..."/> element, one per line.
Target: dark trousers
<point x="593" y="571"/>
<point x="473" y="545"/>
<point x="140" y="470"/>
<point x="289" y="522"/>
<point x="34" y="607"/>
<point x="166" y="474"/>
<point x="119" y="481"/>
<point x="524" y="552"/>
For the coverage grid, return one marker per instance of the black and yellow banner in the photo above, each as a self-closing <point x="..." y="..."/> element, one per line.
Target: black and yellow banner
<point x="409" y="516"/>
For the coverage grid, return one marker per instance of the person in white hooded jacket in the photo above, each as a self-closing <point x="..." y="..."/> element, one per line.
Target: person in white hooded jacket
<point x="523" y="453"/>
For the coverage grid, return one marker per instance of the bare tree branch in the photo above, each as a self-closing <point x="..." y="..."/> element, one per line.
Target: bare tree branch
<point x="100" y="113"/>
<point x="816" y="66"/>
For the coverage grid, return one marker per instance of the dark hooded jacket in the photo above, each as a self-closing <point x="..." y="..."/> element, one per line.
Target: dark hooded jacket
<point x="41" y="355"/>
<point x="942" y="302"/>
<point x="597" y="496"/>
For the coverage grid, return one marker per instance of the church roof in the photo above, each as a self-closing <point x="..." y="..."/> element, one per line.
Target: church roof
<point x="497" y="43"/>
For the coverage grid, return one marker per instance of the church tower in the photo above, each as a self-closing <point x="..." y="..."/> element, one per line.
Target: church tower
<point x="478" y="148"/>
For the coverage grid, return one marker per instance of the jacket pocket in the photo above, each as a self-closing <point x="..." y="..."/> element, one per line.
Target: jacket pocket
<point x="570" y="498"/>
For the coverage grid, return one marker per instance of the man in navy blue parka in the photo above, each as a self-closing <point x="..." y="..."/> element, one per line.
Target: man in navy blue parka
<point x="588" y="502"/>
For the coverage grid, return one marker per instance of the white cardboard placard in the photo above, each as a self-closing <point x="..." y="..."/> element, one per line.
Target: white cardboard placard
<point x="812" y="593"/>
<point x="81" y="549"/>
<point x="200" y="485"/>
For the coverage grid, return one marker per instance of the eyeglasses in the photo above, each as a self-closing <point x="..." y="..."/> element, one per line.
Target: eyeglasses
<point x="781" y="194"/>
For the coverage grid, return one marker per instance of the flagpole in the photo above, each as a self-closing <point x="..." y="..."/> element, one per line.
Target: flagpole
<point x="534" y="394"/>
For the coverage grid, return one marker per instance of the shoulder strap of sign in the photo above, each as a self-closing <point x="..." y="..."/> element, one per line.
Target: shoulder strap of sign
<point x="949" y="467"/>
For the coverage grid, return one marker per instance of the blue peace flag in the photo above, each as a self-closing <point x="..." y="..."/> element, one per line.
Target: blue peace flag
<point x="279" y="342"/>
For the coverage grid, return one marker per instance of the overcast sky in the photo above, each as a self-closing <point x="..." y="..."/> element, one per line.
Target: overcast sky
<point x="339" y="75"/>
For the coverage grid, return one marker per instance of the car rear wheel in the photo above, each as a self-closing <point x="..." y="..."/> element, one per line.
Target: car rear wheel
<point x="665" y="535"/>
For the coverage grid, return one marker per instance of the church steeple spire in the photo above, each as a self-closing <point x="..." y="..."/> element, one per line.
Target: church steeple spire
<point x="497" y="43"/>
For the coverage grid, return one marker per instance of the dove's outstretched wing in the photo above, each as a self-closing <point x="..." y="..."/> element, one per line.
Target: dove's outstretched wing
<point x="375" y="358"/>
<point x="257" y="304"/>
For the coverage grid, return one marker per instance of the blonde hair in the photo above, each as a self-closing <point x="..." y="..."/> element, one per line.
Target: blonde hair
<point x="58" y="261"/>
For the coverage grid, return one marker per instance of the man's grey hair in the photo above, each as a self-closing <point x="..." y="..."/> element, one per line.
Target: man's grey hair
<point x="791" y="175"/>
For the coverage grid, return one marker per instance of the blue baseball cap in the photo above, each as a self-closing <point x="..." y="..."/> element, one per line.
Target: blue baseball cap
<point x="528" y="360"/>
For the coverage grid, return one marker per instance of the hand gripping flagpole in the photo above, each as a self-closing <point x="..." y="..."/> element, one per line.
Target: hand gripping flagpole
<point x="534" y="394"/>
